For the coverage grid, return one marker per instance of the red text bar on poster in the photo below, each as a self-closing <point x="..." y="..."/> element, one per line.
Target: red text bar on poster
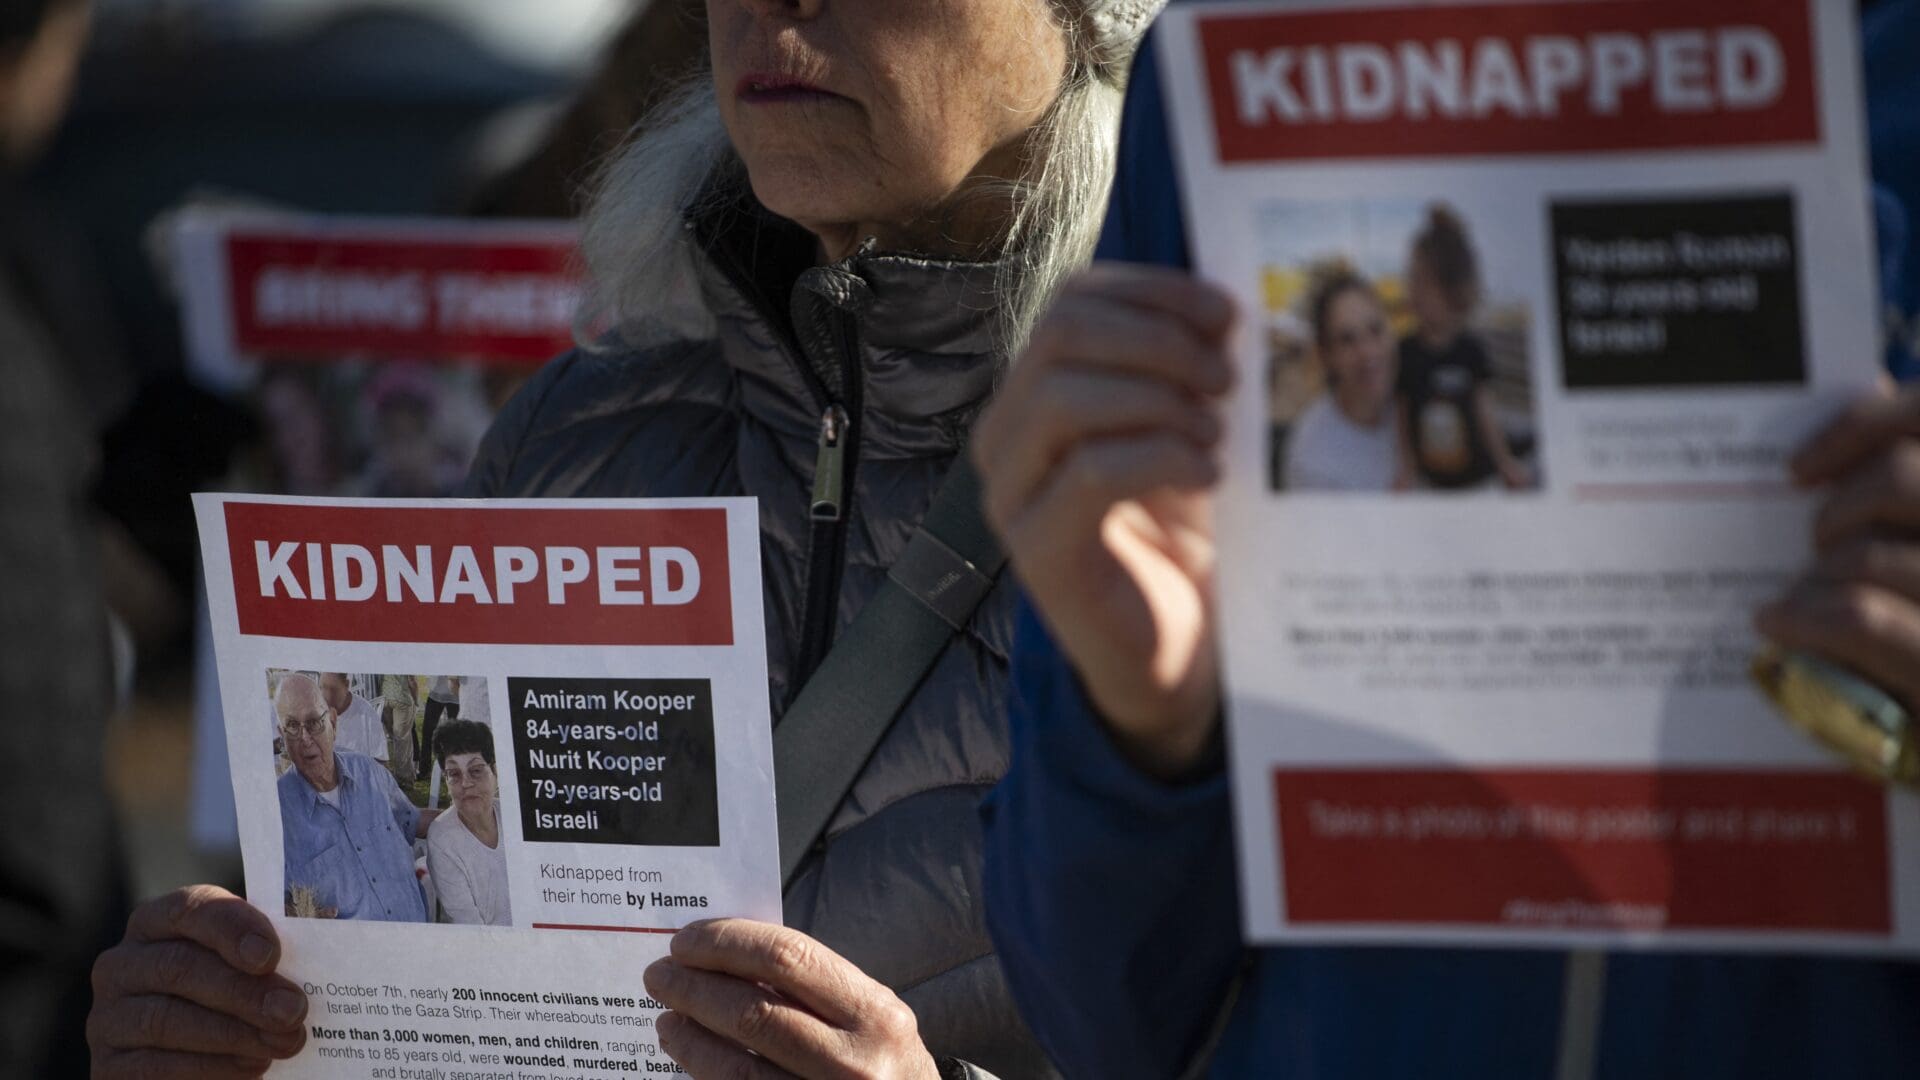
<point x="1543" y="78"/>
<point x="1586" y="849"/>
<point x="482" y="576"/>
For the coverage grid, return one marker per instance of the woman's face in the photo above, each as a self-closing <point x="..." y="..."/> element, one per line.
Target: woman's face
<point x="1359" y="355"/>
<point x="861" y="118"/>
<point x="471" y="781"/>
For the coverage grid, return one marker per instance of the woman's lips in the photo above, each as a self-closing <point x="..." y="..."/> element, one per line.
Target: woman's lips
<point x="763" y="88"/>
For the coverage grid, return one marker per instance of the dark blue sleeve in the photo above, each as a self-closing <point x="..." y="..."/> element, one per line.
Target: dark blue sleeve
<point x="1144" y="223"/>
<point x="1891" y="32"/>
<point x="1110" y="896"/>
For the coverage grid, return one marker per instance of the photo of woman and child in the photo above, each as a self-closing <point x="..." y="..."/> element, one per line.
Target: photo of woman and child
<point x="364" y="841"/>
<point x="1380" y="383"/>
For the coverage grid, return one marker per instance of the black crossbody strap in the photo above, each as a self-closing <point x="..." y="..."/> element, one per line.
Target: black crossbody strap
<point x="843" y="712"/>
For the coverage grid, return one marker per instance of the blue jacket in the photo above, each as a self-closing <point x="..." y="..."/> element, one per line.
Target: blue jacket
<point x="1112" y="897"/>
<point x="1892" y="32"/>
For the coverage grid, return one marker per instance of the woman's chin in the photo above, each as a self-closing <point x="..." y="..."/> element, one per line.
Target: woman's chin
<point x="820" y="194"/>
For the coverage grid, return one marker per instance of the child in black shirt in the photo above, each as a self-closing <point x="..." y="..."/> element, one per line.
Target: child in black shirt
<point x="1450" y="438"/>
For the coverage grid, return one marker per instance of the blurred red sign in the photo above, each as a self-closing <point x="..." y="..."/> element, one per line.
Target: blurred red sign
<point x="489" y="300"/>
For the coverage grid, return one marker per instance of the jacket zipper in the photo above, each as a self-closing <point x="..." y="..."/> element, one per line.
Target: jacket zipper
<point x="837" y="452"/>
<point x="830" y="465"/>
<point x="834" y="462"/>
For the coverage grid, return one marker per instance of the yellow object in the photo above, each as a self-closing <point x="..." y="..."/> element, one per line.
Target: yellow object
<point x="1846" y="713"/>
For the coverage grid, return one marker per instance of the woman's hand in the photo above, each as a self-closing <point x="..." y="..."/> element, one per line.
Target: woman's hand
<point x="749" y="999"/>
<point x="1859" y="604"/>
<point x="1097" y="461"/>
<point x="191" y="992"/>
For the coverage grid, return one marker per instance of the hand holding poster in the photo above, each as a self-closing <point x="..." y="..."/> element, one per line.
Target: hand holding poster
<point x="592" y="679"/>
<point x="1540" y="298"/>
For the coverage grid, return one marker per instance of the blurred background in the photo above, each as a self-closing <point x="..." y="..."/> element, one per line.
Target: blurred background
<point x="405" y="107"/>
<point x="454" y="110"/>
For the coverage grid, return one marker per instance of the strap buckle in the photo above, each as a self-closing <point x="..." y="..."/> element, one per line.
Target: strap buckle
<point x="941" y="579"/>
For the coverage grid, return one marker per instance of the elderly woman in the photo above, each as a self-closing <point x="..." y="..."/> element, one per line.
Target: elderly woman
<point x="811" y="270"/>
<point x="465" y="858"/>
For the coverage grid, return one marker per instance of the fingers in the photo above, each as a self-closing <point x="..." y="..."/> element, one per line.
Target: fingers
<point x="1882" y="561"/>
<point x="1025" y="440"/>
<point x="190" y="992"/>
<point x="753" y="999"/>
<point x="1127" y="351"/>
<point x="196" y="974"/>
<point x="748" y="1015"/>
<point x="1884" y="495"/>
<point x="1204" y="307"/>
<point x="790" y="962"/>
<point x="1094" y="331"/>
<point x="171" y="1065"/>
<point x="1146" y="321"/>
<point x="706" y="1056"/>
<point x="1095" y="476"/>
<point x="1865" y="628"/>
<point x="158" y="1022"/>
<point x="1859" y="606"/>
<point x="215" y="918"/>
<point x="1866" y="428"/>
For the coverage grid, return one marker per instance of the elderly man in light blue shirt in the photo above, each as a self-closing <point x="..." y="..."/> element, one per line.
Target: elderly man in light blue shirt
<point x="348" y="828"/>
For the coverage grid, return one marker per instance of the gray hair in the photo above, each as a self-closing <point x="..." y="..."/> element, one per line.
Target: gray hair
<point x="639" y="255"/>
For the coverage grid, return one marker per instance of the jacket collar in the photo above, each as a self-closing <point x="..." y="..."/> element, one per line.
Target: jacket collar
<point x="920" y="330"/>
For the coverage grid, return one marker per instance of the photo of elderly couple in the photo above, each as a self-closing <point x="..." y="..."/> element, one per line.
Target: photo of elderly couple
<point x="365" y="835"/>
<point x="1397" y="359"/>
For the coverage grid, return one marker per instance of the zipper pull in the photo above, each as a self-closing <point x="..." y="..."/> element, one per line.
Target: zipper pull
<point x="830" y="467"/>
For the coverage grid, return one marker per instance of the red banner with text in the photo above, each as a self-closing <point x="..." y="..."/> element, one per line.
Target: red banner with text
<point x="482" y="576"/>
<point x="1586" y="849"/>
<point x="311" y="296"/>
<point x="1542" y="78"/>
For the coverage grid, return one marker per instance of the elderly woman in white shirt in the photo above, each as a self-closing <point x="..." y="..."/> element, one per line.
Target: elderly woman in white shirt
<point x="464" y="855"/>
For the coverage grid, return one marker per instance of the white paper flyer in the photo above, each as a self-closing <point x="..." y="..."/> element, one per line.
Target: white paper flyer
<point x="591" y="678"/>
<point x="1539" y="298"/>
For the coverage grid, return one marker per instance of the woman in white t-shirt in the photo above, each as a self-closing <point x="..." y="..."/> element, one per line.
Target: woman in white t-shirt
<point x="1347" y="440"/>
<point x="465" y="856"/>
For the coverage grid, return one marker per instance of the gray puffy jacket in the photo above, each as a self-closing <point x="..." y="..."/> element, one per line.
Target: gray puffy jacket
<point x="902" y="345"/>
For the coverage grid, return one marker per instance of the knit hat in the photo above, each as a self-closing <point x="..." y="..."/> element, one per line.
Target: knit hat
<point x="1113" y="30"/>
